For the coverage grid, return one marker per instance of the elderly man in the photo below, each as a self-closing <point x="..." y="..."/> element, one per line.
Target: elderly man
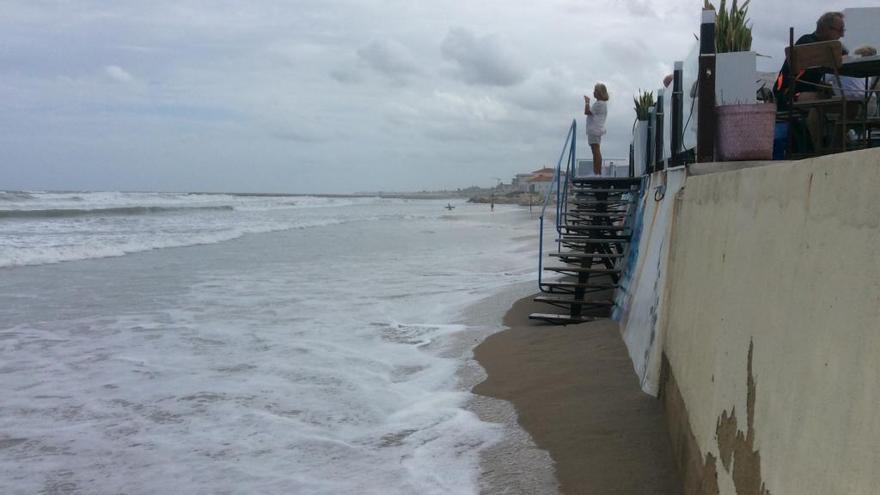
<point x="829" y="27"/>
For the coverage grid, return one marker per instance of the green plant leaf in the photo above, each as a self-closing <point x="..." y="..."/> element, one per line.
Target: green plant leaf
<point x="732" y="30"/>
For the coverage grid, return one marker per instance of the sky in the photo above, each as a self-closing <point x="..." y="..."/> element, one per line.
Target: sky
<point x="329" y="96"/>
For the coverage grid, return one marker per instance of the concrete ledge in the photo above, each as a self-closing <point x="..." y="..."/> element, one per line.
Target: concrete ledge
<point x="720" y="167"/>
<point x="695" y="169"/>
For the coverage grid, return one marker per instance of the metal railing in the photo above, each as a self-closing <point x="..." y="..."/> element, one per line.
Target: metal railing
<point x="560" y="186"/>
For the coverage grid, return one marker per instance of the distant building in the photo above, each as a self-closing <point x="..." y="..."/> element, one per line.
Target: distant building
<point x="541" y="181"/>
<point x="543" y="170"/>
<point x="537" y="181"/>
<point x="521" y="182"/>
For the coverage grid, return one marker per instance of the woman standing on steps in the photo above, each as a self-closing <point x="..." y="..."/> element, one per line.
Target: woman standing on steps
<point x="596" y="123"/>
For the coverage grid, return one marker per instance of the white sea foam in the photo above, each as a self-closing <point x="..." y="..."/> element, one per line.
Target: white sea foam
<point x="70" y="246"/>
<point x="310" y="359"/>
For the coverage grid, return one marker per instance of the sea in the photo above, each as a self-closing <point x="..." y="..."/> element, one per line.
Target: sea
<point x="158" y="343"/>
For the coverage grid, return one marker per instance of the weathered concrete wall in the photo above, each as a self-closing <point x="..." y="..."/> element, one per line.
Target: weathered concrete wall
<point x="772" y="328"/>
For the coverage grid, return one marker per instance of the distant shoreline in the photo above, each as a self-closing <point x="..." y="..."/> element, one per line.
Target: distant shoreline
<point x="464" y="194"/>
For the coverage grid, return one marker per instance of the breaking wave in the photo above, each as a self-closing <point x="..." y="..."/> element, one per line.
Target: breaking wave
<point x="118" y="211"/>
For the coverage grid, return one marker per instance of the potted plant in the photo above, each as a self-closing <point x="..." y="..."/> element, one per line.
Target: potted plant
<point x="735" y="63"/>
<point x="745" y="127"/>
<point x="642" y="104"/>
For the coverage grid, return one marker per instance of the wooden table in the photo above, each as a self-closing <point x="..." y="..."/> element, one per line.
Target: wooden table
<point x="860" y="66"/>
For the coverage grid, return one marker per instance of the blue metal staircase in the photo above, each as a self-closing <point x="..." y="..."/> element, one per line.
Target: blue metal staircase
<point x="593" y="229"/>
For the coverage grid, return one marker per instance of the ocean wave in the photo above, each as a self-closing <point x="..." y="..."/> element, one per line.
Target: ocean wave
<point x="106" y="248"/>
<point x="15" y="196"/>
<point x="116" y="211"/>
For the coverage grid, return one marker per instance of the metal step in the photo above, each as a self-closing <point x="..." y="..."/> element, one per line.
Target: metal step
<point x="575" y="235"/>
<point x="595" y="227"/>
<point x="581" y="255"/>
<point x="613" y="246"/>
<point x="592" y="215"/>
<point x="588" y="210"/>
<point x="561" y="319"/>
<point x="559" y="300"/>
<point x="577" y="240"/>
<point x="603" y="214"/>
<point x="599" y="207"/>
<point x="577" y="269"/>
<point x="601" y="191"/>
<point x="605" y="181"/>
<point x="597" y="202"/>
<point x="590" y="202"/>
<point x="576" y="285"/>
<point x="594" y="236"/>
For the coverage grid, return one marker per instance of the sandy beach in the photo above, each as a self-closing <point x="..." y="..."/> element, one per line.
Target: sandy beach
<point x="575" y="393"/>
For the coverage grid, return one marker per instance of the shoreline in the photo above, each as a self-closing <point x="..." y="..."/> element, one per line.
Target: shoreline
<point x="514" y="464"/>
<point x="573" y="393"/>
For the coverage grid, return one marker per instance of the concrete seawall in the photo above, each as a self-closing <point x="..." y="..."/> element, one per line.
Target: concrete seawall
<point x="762" y="327"/>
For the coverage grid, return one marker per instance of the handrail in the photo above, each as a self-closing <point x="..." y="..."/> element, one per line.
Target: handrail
<point x="560" y="185"/>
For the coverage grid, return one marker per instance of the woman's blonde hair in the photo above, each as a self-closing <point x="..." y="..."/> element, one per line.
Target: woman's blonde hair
<point x="601" y="91"/>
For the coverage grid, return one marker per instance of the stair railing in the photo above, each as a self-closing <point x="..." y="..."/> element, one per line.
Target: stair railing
<point x="560" y="186"/>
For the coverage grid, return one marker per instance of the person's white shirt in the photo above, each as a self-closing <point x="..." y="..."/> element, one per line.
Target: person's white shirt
<point x="596" y="121"/>
<point x="853" y="87"/>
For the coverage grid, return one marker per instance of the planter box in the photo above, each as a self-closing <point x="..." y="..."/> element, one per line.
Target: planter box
<point x="736" y="78"/>
<point x="745" y="132"/>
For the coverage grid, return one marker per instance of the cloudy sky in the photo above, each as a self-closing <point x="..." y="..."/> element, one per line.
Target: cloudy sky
<point x="310" y="96"/>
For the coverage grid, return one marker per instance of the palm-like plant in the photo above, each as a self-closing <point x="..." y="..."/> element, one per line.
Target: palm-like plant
<point x="643" y="102"/>
<point x="732" y="30"/>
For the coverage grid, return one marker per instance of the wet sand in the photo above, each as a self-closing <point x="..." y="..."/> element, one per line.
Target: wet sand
<point x="575" y="392"/>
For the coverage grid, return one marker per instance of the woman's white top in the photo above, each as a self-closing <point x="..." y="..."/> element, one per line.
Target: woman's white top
<point x="596" y="121"/>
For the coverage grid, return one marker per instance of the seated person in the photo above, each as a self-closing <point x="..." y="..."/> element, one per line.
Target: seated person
<point x="829" y="27"/>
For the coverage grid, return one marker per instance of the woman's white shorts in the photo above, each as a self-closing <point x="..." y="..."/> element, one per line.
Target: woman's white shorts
<point x="593" y="139"/>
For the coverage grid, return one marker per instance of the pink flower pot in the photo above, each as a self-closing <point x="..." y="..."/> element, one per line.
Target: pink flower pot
<point x="745" y="132"/>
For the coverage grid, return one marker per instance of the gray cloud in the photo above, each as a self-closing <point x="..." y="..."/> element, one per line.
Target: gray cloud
<point x="639" y="8"/>
<point x="483" y="59"/>
<point x="553" y="90"/>
<point x="346" y="75"/>
<point x="635" y="8"/>
<point x="297" y="136"/>
<point x="389" y="57"/>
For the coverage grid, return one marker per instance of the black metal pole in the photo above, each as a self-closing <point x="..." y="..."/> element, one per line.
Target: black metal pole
<point x="788" y="95"/>
<point x="649" y="143"/>
<point x="632" y="165"/>
<point x="706" y="77"/>
<point x="658" y="131"/>
<point x="677" y="114"/>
